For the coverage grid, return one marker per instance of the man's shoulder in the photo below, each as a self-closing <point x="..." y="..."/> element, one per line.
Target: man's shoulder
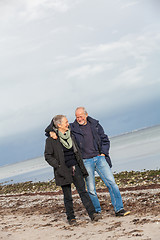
<point x="92" y="120"/>
<point x="73" y="125"/>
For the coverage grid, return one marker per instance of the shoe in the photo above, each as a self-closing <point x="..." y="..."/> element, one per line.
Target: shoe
<point x="122" y="213"/>
<point x="72" y="222"/>
<point x="99" y="214"/>
<point x="95" y="217"/>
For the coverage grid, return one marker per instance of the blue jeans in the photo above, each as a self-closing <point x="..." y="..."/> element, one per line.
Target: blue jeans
<point x="100" y="165"/>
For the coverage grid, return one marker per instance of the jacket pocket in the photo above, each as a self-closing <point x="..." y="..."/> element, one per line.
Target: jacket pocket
<point x="60" y="172"/>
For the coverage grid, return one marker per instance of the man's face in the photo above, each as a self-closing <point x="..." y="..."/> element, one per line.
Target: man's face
<point x="81" y="117"/>
<point x="64" y="125"/>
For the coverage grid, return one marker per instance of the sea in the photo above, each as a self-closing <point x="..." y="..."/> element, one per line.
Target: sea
<point x="134" y="151"/>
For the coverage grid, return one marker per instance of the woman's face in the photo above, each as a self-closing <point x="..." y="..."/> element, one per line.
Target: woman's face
<point x="63" y="127"/>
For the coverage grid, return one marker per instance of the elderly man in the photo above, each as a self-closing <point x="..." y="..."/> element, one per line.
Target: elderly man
<point x="94" y="146"/>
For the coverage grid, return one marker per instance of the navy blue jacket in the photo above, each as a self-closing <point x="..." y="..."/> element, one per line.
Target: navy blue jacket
<point x="101" y="141"/>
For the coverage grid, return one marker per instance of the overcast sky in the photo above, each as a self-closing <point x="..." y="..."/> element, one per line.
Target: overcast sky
<point x="56" y="55"/>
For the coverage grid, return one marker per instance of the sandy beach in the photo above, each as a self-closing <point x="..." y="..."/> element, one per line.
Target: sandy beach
<point x="42" y="216"/>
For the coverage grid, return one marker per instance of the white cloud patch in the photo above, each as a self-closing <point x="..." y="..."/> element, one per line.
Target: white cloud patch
<point x="134" y="51"/>
<point x="129" y="4"/>
<point x="88" y="71"/>
<point x="30" y="10"/>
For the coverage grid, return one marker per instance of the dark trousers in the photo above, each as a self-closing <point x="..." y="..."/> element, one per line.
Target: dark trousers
<point x="79" y="183"/>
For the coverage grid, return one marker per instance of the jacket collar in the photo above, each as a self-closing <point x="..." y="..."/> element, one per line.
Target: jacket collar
<point x="76" y="127"/>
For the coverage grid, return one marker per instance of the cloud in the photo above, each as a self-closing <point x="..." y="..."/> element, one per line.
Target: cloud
<point x="53" y="59"/>
<point x="133" y="49"/>
<point x="103" y="74"/>
<point x="88" y="71"/>
<point x="30" y="10"/>
<point x="129" y="4"/>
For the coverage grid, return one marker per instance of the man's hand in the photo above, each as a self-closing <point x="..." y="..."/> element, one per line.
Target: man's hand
<point x="53" y="135"/>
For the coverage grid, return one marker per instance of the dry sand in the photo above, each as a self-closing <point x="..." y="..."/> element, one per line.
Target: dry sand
<point x="42" y="216"/>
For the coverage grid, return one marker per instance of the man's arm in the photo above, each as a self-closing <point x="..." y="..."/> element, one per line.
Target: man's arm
<point x="51" y="131"/>
<point x="105" y="143"/>
<point x="50" y="128"/>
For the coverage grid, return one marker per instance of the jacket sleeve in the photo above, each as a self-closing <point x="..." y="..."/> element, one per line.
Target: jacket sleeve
<point x="49" y="153"/>
<point x="50" y="128"/>
<point x="105" y="143"/>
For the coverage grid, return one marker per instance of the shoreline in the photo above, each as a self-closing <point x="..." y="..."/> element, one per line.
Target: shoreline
<point x="123" y="179"/>
<point x="74" y="192"/>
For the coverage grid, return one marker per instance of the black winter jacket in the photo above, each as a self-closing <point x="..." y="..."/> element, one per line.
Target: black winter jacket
<point x="55" y="157"/>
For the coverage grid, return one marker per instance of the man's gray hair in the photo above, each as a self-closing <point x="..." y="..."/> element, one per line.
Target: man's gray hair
<point x="83" y="108"/>
<point x="57" y="120"/>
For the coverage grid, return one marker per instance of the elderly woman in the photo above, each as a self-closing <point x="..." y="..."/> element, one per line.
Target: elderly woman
<point x="64" y="156"/>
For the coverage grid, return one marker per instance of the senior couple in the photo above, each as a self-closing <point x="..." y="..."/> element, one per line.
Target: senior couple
<point x="76" y="151"/>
